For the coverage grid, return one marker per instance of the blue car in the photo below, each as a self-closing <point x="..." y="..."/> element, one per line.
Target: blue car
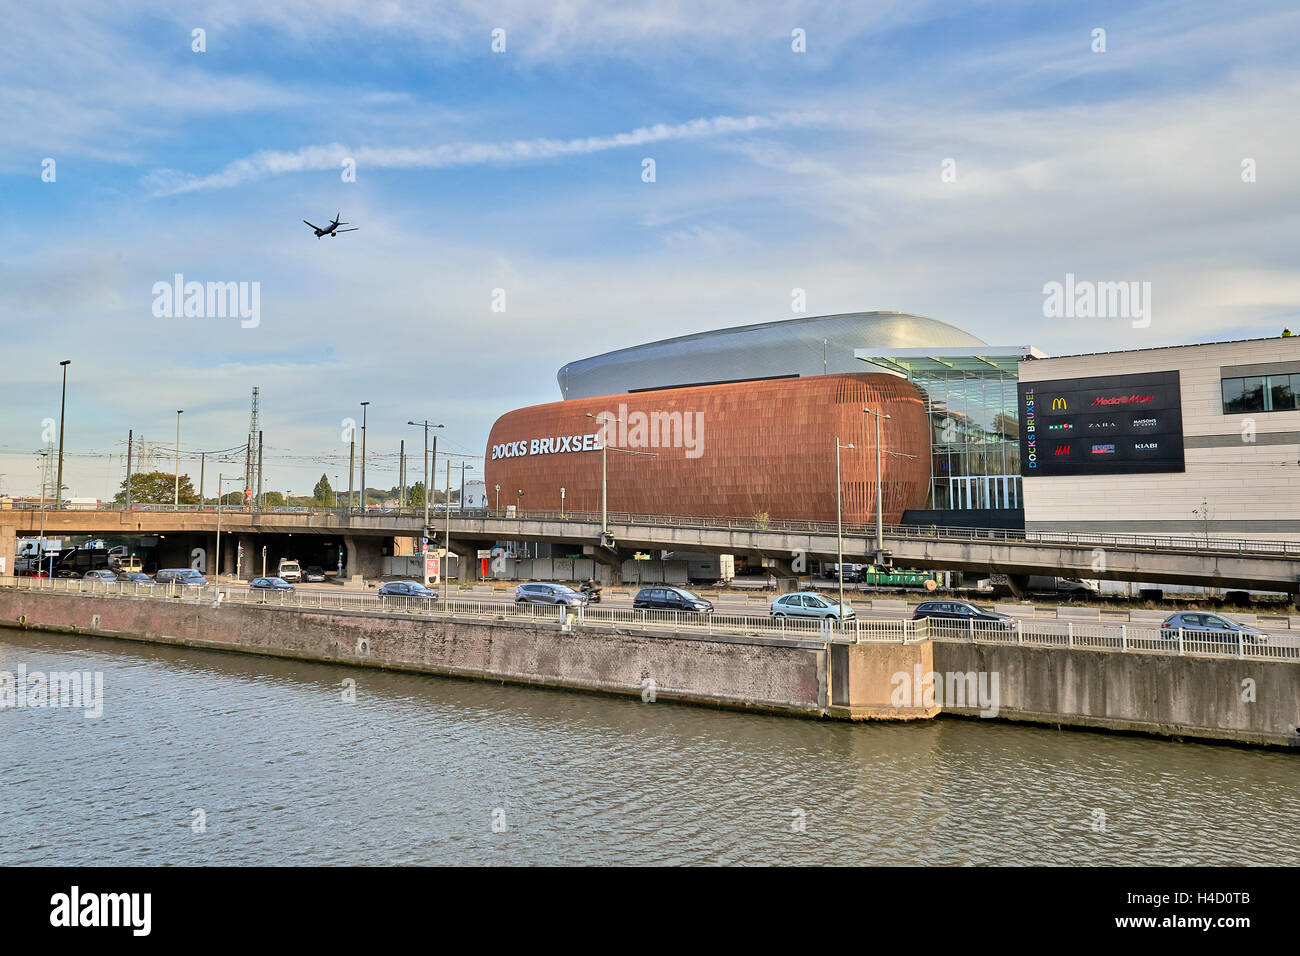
<point x="810" y="604"/>
<point x="269" y="584"/>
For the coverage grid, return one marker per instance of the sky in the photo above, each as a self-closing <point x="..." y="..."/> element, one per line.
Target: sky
<point x="947" y="159"/>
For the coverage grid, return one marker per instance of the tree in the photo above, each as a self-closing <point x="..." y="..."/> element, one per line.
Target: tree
<point x="324" y="494"/>
<point x="157" y="488"/>
<point x="415" y="495"/>
<point x="272" y="499"/>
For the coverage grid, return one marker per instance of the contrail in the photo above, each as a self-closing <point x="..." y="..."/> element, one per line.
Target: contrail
<point x="259" y="165"/>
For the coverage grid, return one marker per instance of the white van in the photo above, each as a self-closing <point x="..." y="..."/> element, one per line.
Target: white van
<point x="289" y="570"/>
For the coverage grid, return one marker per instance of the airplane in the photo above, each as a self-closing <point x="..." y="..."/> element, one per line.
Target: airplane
<point x="333" y="228"/>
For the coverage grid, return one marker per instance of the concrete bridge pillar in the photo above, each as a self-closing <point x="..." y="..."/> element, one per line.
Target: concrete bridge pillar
<point x="467" y="564"/>
<point x="8" y="547"/>
<point x="365" y="556"/>
<point x="609" y="564"/>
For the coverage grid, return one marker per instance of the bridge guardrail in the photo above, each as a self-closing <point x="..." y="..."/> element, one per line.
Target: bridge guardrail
<point x="1123" y="638"/>
<point x="1191" y="543"/>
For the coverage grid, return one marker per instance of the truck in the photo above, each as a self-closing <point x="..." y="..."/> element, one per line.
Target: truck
<point x="75" y="562"/>
<point x="476" y="494"/>
<point x="289" y="570"/>
<point x="705" y="568"/>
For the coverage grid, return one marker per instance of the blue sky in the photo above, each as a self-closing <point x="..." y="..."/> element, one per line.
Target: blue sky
<point x="522" y="171"/>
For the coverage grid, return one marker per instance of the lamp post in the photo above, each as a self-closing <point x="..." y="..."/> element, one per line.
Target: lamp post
<point x="63" y="401"/>
<point x="428" y="492"/>
<point x="839" y="523"/>
<point x="220" y="496"/>
<point x="497" y="506"/>
<point x="604" y="476"/>
<point x="880" y="495"/>
<point x="176" y="491"/>
<point x="363" y="457"/>
<point x="40" y="543"/>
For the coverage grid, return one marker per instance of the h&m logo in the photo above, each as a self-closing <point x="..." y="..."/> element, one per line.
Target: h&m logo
<point x="1062" y="450"/>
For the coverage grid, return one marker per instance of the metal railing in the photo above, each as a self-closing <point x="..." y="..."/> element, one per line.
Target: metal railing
<point x="1123" y="638"/>
<point x="1190" y="543"/>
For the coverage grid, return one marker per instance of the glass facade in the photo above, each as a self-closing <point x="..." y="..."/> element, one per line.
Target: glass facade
<point x="974" y="423"/>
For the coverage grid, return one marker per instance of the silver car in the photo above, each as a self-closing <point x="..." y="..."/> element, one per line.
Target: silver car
<point x="1211" y="627"/>
<point x="810" y="604"/>
<point x="549" y="594"/>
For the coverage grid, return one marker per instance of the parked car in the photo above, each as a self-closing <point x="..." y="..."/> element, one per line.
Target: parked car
<point x="960" y="611"/>
<point x="102" y="574"/>
<point x="269" y="584"/>
<point x="410" y="589"/>
<point x="135" y="577"/>
<point x="549" y="594"/>
<point x="664" y="598"/>
<point x="181" y="577"/>
<point x="314" y="573"/>
<point x="1211" y="627"/>
<point x="810" y="604"/>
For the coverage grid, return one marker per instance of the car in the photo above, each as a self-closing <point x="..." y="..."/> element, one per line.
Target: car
<point x="948" y="612"/>
<point x="135" y="577"/>
<point x="269" y="584"/>
<point x="410" y="589"/>
<point x="181" y="577"/>
<point x="662" y="597"/>
<point x="1211" y="627"/>
<point x="811" y="604"/>
<point x="549" y="594"/>
<point x="100" y="574"/>
<point x="314" y="573"/>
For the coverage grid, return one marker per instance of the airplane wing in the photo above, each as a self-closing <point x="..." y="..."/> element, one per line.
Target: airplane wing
<point x="314" y="227"/>
<point x="353" y="229"/>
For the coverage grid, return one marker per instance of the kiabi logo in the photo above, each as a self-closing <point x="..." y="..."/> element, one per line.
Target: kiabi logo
<point x="217" y="300"/>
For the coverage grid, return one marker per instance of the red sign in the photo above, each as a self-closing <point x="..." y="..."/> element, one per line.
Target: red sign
<point x="1123" y="400"/>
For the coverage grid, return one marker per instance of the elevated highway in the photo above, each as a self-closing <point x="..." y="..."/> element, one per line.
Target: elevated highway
<point x="1203" y="561"/>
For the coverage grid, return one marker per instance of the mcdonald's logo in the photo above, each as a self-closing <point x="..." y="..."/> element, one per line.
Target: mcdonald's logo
<point x="1059" y="403"/>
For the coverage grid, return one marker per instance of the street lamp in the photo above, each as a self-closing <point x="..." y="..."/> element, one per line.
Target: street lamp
<point x="604" y="475"/>
<point x="427" y="490"/>
<point x="880" y="496"/>
<point x="839" y="523"/>
<point x="363" y="457"/>
<point x="58" y="484"/>
<point x="220" y="498"/>
<point x="176" y="492"/>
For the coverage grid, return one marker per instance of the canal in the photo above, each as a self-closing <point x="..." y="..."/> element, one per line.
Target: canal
<point x="202" y="757"/>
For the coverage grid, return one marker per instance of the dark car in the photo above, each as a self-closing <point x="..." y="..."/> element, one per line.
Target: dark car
<point x="549" y="594"/>
<point x="135" y="577"/>
<point x="314" y="573"/>
<point x="947" y="612"/>
<point x="270" y="584"/>
<point x="410" y="589"/>
<point x="1203" y="626"/>
<point x="665" y="598"/>
<point x="181" y="577"/>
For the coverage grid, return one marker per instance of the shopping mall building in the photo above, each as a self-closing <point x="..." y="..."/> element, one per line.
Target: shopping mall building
<point x="747" y="421"/>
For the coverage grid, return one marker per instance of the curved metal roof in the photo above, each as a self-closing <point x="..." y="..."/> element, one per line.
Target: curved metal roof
<point x="786" y="348"/>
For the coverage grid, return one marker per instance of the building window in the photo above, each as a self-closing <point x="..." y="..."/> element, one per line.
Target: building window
<point x="1261" y="393"/>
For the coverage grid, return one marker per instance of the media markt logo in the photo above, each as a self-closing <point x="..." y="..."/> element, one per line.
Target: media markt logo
<point x="1123" y="400"/>
<point x="1108" y="449"/>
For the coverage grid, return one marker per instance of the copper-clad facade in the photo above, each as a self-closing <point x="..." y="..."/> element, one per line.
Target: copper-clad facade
<point x="721" y="450"/>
